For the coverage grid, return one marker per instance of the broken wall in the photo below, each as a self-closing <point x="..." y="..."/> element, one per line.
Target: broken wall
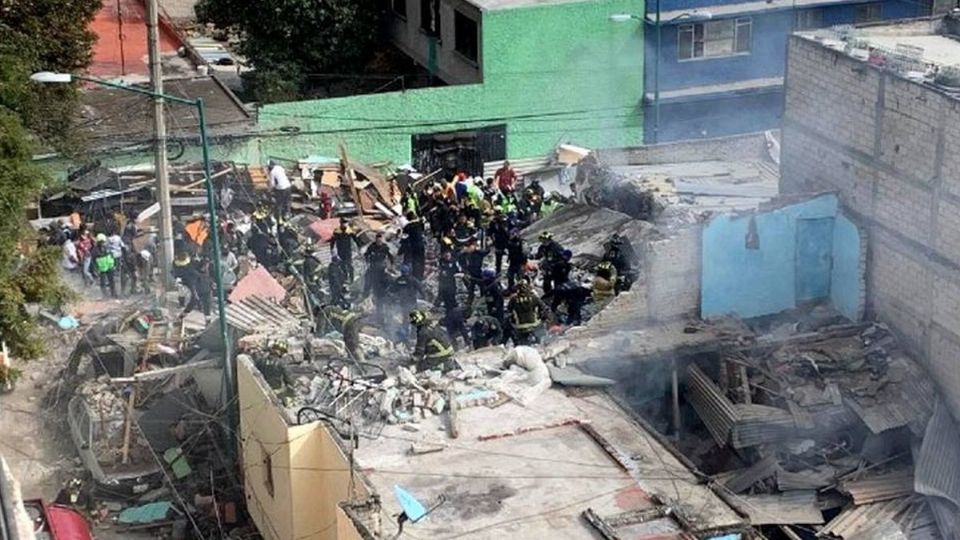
<point x="294" y="476"/>
<point x="891" y="149"/>
<point x="769" y="261"/>
<point x="671" y="274"/>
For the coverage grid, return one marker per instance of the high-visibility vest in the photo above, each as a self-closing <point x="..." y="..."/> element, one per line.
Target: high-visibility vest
<point x="105" y="263"/>
<point x="440" y="349"/>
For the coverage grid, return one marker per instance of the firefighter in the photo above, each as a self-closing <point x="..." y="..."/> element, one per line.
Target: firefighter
<point x="434" y="349"/>
<point x="337" y="280"/>
<point x="527" y="312"/>
<point x="533" y="196"/>
<point x="619" y="252"/>
<point x="604" y="280"/>
<point x="486" y="331"/>
<point x="413" y="247"/>
<point x="549" y="253"/>
<point x="516" y="258"/>
<point x="471" y="260"/>
<point x="342" y="244"/>
<point x="499" y="232"/>
<point x="492" y="293"/>
<point x="448" y="269"/>
<point x="403" y="293"/>
<point x="333" y="317"/>
<point x="263" y="220"/>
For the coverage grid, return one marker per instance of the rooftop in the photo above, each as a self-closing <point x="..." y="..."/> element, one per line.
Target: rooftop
<point x="926" y="50"/>
<point x="114" y="117"/>
<point x="494" y="5"/>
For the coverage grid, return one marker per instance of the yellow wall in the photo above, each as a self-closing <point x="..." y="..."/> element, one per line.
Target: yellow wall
<point x="311" y="474"/>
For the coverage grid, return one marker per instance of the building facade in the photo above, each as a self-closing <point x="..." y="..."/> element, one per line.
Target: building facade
<point x="519" y="76"/>
<point x="890" y="147"/>
<point x="721" y="62"/>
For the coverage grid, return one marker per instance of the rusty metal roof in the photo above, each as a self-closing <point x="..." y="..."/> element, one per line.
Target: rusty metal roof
<point x="790" y="508"/>
<point x="938" y="469"/>
<point x="880" y="487"/>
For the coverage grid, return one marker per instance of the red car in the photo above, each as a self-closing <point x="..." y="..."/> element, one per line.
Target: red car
<point x="57" y="522"/>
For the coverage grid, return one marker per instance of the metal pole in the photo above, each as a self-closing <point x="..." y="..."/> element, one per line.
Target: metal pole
<point x="656" y="81"/>
<point x="229" y="367"/>
<point x="160" y="146"/>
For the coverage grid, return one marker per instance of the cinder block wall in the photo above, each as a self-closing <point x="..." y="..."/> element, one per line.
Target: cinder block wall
<point x="671" y="274"/>
<point x="891" y="149"/>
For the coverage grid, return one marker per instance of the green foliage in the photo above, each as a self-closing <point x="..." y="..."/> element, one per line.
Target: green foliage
<point x="34" y="36"/>
<point x="288" y="39"/>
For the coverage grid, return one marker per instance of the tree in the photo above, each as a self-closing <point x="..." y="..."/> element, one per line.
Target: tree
<point x="34" y="36"/>
<point x="286" y="40"/>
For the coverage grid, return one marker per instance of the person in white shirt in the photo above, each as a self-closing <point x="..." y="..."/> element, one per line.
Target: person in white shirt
<point x="281" y="186"/>
<point x="70" y="259"/>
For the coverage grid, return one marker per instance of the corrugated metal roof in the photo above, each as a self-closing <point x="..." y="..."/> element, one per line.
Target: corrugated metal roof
<point x="938" y="465"/>
<point x="520" y="166"/>
<point x="881" y="487"/>
<point x="255" y="314"/>
<point x="790" y="508"/>
<point x="859" y="519"/>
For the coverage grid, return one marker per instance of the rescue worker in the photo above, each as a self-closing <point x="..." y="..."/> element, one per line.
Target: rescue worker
<point x="533" y="197"/>
<point x="263" y="221"/>
<point x="448" y="269"/>
<point x="499" y="233"/>
<point x="527" y="312"/>
<point x="455" y="323"/>
<point x="619" y="253"/>
<point x="403" y="292"/>
<point x="413" y="246"/>
<point x="378" y="257"/>
<point x="342" y="244"/>
<point x="471" y="260"/>
<point x="333" y="317"/>
<point x="434" y="349"/>
<point x="486" y="331"/>
<point x="105" y="266"/>
<point x="549" y="253"/>
<point x="516" y="258"/>
<point x="559" y="276"/>
<point x="604" y="283"/>
<point x="492" y="293"/>
<point x="191" y="274"/>
<point x="337" y="280"/>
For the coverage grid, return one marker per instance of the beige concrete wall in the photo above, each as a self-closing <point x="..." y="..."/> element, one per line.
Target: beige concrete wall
<point x="452" y="67"/>
<point x="310" y="473"/>
<point x="891" y="149"/>
<point x="346" y="530"/>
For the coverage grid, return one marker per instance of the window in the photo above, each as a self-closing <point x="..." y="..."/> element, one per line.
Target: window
<point x="465" y="36"/>
<point x="430" y="17"/>
<point x="868" y="13"/>
<point x="266" y="460"/>
<point x="399" y="7"/>
<point x="808" y="19"/>
<point x="714" y="39"/>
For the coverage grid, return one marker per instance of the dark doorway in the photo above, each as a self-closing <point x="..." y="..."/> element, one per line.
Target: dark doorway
<point x="455" y="151"/>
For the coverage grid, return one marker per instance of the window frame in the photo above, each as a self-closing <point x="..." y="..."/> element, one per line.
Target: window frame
<point x="436" y="19"/>
<point x="696" y="33"/>
<point x="457" y="17"/>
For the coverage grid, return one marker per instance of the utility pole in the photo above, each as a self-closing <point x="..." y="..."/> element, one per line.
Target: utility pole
<point x="160" y="144"/>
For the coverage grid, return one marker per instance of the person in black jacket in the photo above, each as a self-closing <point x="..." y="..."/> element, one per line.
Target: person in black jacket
<point x="499" y="232"/>
<point x="516" y="258"/>
<point x="342" y="244"/>
<point x="471" y="260"/>
<point x="447" y="270"/>
<point x="413" y="247"/>
<point x="375" y="281"/>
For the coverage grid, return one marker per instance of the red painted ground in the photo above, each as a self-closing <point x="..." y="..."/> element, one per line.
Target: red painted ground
<point x="107" y="58"/>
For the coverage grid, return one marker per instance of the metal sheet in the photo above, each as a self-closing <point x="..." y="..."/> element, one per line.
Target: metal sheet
<point x="791" y="508"/>
<point x="255" y="314"/>
<point x="858" y="519"/>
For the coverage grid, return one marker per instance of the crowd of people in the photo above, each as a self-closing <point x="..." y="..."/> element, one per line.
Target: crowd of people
<point x="458" y="274"/>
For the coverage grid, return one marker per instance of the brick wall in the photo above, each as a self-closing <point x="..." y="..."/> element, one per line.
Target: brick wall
<point x="891" y="149"/>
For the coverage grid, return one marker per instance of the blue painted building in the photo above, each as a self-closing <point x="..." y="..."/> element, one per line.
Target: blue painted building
<point x="721" y="62"/>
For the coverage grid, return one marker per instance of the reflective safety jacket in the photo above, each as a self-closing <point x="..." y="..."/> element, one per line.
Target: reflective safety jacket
<point x="433" y="344"/>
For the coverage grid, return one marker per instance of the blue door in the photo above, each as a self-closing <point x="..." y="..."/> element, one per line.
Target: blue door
<point x="814" y="260"/>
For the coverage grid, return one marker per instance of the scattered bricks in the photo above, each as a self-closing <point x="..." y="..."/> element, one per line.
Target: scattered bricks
<point x="418" y="449"/>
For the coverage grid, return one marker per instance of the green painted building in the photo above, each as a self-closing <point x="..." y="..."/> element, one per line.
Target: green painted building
<point x="522" y="76"/>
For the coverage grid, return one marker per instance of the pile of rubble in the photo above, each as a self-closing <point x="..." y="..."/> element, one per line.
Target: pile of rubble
<point x="820" y="430"/>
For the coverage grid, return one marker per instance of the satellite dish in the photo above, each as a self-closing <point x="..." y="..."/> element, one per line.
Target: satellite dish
<point x="413" y="510"/>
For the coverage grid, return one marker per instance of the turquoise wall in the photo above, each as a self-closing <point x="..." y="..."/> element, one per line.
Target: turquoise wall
<point x="754" y="282"/>
<point x="846" y="277"/>
<point x="552" y="73"/>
